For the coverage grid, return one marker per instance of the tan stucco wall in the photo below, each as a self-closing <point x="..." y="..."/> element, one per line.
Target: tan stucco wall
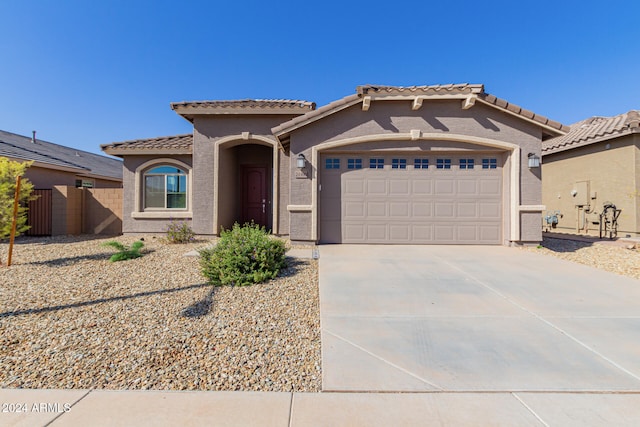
<point x="613" y="175"/>
<point x="446" y="117"/>
<point x="207" y="131"/>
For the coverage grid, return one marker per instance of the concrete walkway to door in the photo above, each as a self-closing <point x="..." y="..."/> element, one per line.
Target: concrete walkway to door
<point x="470" y="319"/>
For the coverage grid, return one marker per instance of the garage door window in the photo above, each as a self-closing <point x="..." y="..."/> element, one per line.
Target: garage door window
<point x="376" y="163"/>
<point x="443" y="163"/>
<point x="466" y="163"/>
<point x="398" y="163"/>
<point x="489" y="163"/>
<point x="332" y="164"/>
<point x="421" y="163"/>
<point x="354" y="163"/>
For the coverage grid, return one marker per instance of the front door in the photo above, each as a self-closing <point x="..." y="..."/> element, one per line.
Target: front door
<point x="254" y="195"/>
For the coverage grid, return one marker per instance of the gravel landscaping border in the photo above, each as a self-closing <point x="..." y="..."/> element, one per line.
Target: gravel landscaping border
<point x="613" y="256"/>
<point x="69" y="318"/>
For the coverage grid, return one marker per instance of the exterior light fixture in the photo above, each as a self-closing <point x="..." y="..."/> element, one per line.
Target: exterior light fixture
<point x="301" y="161"/>
<point x="534" y="161"/>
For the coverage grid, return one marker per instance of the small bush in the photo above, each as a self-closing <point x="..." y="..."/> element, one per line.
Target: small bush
<point x="124" y="252"/>
<point x="244" y="255"/>
<point x="180" y="232"/>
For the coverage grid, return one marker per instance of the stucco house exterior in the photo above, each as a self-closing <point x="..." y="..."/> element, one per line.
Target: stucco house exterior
<point x="597" y="161"/>
<point x="440" y="164"/>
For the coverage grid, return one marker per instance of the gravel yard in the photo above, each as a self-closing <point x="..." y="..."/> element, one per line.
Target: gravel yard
<point x="69" y="318"/>
<point x="611" y="256"/>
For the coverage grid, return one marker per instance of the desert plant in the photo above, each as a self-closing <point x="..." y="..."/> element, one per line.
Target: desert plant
<point x="244" y="255"/>
<point x="180" y="232"/>
<point x="124" y="252"/>
<point x="9" y="170"/>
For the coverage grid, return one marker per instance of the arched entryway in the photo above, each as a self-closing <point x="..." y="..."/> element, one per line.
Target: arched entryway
<point x="245" y="184"/>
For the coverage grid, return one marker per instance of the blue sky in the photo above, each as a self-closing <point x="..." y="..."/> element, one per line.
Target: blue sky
<point x="86" y="73"/>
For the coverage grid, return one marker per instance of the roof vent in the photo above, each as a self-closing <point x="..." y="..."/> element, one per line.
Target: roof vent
<point x="33" y="137"/>
<point x="77" y="154"/>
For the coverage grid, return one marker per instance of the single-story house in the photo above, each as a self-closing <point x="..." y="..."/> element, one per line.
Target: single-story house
<point x="55" y="164"/>
<point x="597" y="162"/>
<point x="439" y="164"/>
<point x="59" y="174"/>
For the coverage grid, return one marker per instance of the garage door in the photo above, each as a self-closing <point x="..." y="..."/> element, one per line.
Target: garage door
<point x="400" y="198"/>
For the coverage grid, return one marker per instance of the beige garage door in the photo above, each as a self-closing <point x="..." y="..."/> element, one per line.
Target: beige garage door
<point x="400" y="198"/>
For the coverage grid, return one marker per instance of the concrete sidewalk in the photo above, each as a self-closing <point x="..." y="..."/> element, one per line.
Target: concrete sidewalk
<point x="167" y="408"/>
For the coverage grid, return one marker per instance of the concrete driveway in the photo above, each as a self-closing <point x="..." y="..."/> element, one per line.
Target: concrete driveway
<point x="475" y="319"/>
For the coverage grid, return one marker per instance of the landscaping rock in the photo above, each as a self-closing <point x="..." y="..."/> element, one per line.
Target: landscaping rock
<point x="71" y="319"/>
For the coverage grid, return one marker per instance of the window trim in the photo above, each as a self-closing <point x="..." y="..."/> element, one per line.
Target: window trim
<point x="399" y="163"/>
<point x="443" y="163"/>
<point x="161" y="213"/>
<point x="374" y="161"/>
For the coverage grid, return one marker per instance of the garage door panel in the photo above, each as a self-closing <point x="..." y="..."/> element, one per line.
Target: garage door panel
<point x="354" y="187"/>
<point x="354" y="210"/>
<point x="377" y="232"/>
<point x="467" y="210"/>
<point x="490" y="210"/>
<point x="354" y="232"/>
<point x="490" y="186"/>
<point x="400" y="232"/>
<point x="399" y="209"/>
<point x="444" y="209"/>
<point x="412" y="205"/>
<point x="444" y="187"/>
<point x="422" y="233"/>
<point x="422" y="210"/>
<point x="422" y="186"/>
<point x="377" y="186"/>
<point x="399" y="187"/>
<point x="376" y="209"/>
<point x="467" y="233"/>
<point x="467" y="186"/>
<point x="444" y="233"/>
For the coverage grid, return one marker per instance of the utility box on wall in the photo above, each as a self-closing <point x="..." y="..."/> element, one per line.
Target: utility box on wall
<point x="581" y="193"/>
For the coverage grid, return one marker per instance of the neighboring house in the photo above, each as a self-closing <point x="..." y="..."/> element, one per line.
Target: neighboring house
<point x="597" y="162"/>
<point x="55" y="164"/>
<point x="423" y="164"/>
<point x="58" y="174"/>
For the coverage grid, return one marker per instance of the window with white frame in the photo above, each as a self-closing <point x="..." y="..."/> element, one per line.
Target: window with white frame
<point x="443" y="163"/>
<point x="375" y="163"/>
<point x="489" y="163"/>
<point x="467" y="163"/>
<point x="165" y="187"/>
<point x="354" y="163"/>
<point x="398" y="163"/>
<point x="421" y="163"/>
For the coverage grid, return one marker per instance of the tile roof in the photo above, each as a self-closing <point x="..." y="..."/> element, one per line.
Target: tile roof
<point x="460" y="90"/>
<point x="188" y="109"/>
<point x="594" y="129"/>
<point x="176" y="144"/>
<point x="21" y="147"/>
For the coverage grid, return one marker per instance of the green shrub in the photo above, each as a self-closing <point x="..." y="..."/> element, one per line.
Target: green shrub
<point x="243" y="256"/>
<point x="124" y="252"/>
<point x="180" y="232"/>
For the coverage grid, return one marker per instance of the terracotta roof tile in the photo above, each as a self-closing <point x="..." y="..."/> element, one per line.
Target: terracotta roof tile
<point x="592" y="130"/>
<point x="418" y="90"/>
<point x="248" y="103"/>
<point x="181" y="143"/>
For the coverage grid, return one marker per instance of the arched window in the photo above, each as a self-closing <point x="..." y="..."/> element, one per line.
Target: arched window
<point x="165" y="187"/>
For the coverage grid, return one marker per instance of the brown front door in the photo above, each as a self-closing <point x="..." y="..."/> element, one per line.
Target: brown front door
<point x="254" y="195"/>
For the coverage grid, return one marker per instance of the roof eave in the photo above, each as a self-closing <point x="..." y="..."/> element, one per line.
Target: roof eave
<point x="591" y="141"/>
<point x="119" y="151"/>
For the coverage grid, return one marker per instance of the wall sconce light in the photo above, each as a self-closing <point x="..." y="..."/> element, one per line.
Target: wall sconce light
<point x="534" y="161"/>
<point x="301" y="161"/>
